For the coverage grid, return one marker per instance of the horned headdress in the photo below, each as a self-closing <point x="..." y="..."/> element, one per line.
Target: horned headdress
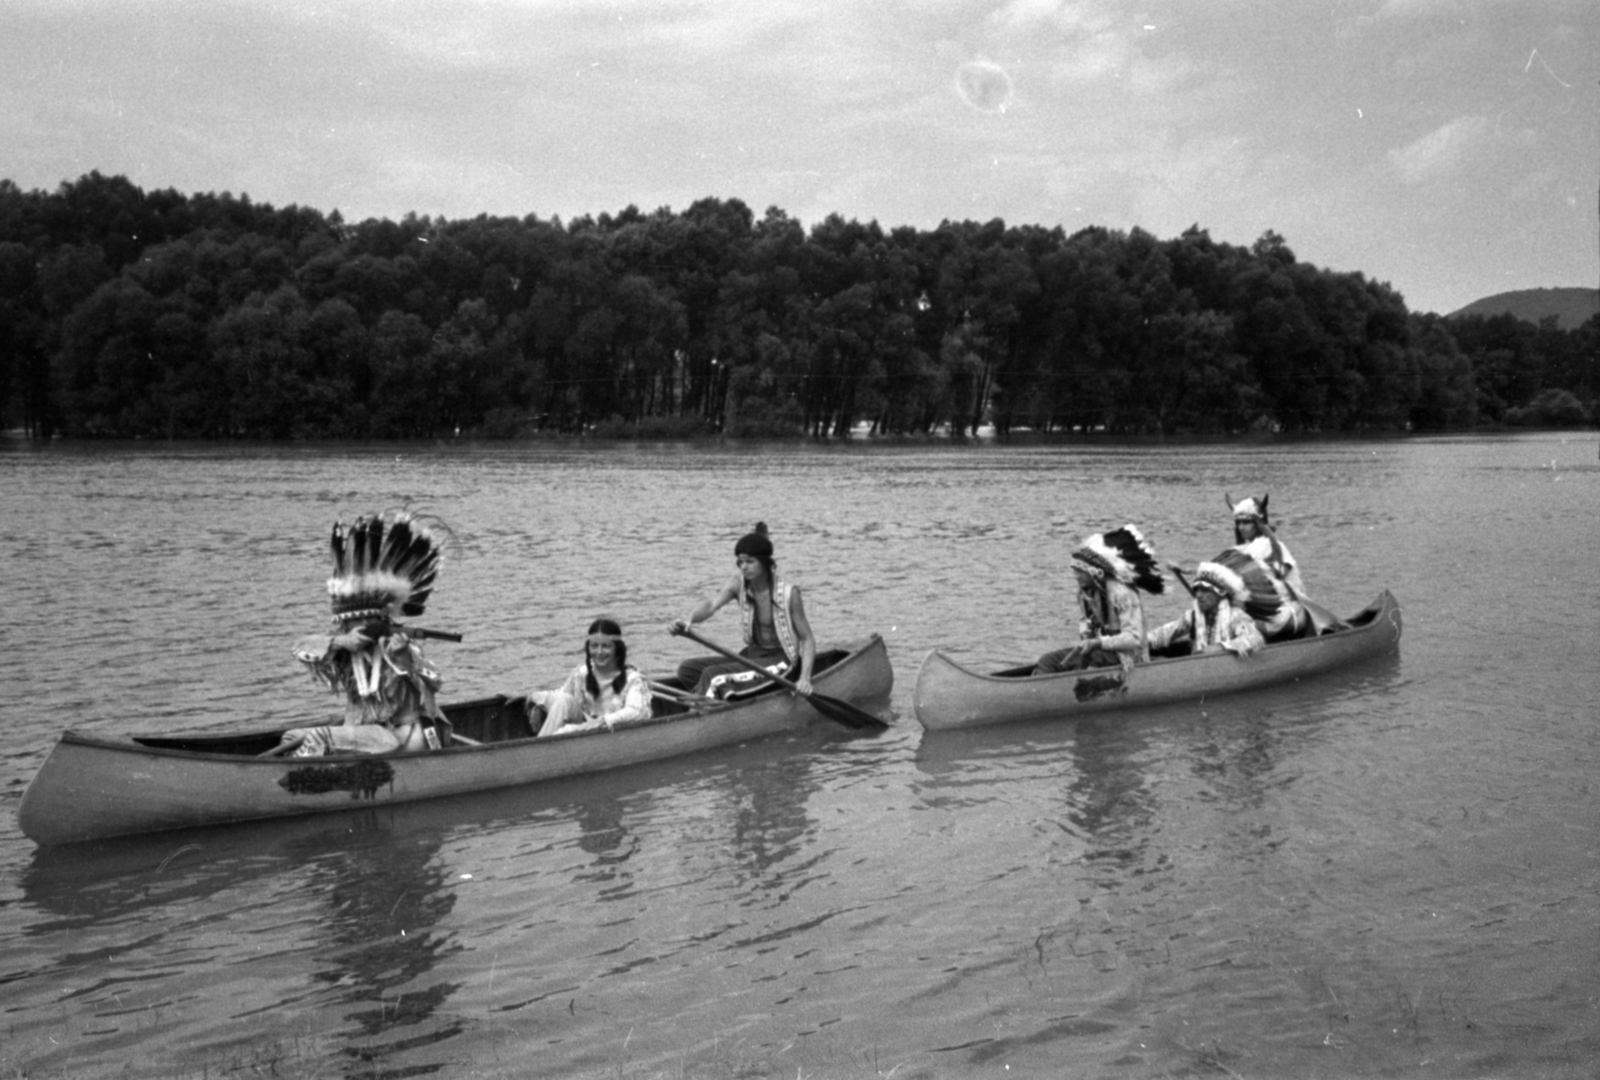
<point x="1124" y="555"/>
<point x="1248" y="508"/>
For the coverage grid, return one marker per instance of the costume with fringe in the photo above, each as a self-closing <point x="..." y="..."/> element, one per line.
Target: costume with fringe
<point x="384" y="567"/>
<point x="775" y="646"/>
<point x="1228" y="627"/>
<point x="573" y="707"/>
<point x="1119" y="564"/>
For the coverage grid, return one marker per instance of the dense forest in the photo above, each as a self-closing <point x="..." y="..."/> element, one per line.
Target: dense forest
<point x="133" y="314"/>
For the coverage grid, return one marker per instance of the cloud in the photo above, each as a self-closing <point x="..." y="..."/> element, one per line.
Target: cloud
<point x="1442" y="152"/>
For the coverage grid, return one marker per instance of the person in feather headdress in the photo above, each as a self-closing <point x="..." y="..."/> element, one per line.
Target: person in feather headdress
<point x="1218" y="618"/>
<point x="1112" y="568"/>
<point x="384" y="567"/>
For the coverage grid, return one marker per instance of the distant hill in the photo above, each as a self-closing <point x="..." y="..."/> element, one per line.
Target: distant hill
<point x="1571" y="307"/>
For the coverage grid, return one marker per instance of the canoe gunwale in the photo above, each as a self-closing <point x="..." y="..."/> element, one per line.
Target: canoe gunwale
<point x="95" y="787"/>
<point x="140" y="743"/>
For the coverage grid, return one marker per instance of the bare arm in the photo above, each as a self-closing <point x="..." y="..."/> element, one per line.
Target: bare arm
<point x="704" y="609"/>
<point x="807" y="643"/>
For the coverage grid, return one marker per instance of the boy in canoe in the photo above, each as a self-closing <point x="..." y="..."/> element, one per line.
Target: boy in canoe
<point x="777" y="633"/>
<point x="383" y="568"/>
<point x="1112" y="568"/>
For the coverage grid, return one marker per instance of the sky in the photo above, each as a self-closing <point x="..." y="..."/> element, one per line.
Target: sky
<point x="1450" y="148"/>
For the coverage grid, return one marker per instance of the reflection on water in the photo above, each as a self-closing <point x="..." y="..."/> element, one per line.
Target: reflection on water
<point x="373" y="919"/>
<point x="378" y="937"/>
<point x="1379" y="873"/>
<point x="1109" y="799"/>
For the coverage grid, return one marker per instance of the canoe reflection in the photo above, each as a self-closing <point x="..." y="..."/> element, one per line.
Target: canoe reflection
<point x="365" y="922"/>
<point x="1237" y="746"/>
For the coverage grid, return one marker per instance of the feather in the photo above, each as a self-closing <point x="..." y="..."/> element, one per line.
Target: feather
<point x="1264" y="593"/>
<point x="385" y="565"/>
<point x="1125" y="555"/>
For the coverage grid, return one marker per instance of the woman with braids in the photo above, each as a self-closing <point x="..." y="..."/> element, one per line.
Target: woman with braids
<point x="777" y="634"/>
<point x="602" y="691"/>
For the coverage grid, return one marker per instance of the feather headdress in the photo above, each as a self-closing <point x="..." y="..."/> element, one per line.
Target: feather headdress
<point x="1261" y="594"/>
<point x="384" y="565"/>
<point x="1224" y="581"/>
<point x="1123" y="554"/>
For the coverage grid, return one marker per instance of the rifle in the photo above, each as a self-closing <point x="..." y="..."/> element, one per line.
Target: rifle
<point x="377" y="628"/>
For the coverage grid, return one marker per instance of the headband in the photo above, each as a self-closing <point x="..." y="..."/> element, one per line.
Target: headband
<point x="1096" y="572"/>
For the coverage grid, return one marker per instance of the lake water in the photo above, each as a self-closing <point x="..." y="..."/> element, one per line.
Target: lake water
<point x="1393" y="871"/>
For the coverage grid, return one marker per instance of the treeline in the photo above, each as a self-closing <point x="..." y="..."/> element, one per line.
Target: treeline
<point x="162" y="315"/>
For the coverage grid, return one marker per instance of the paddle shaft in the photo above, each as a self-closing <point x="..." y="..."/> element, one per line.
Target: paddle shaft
<point x="683" y="697"/>
<point x="841" y="711"/>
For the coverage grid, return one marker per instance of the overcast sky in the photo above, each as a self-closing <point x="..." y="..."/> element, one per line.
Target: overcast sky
<point x="1448" y="147"/>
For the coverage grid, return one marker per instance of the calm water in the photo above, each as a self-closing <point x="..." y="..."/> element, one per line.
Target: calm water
<point x="1391" y="872"/>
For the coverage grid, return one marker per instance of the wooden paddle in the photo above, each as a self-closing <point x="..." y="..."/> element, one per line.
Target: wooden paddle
<point x="684" y="697"/>
<point x="841" y="712"/>
<point x="1323" y="621"/>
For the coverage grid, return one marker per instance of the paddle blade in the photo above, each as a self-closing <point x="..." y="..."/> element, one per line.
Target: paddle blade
<point x="843" y="712"/>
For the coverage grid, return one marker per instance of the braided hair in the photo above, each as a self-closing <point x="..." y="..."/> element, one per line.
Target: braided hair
<point x="604" y="625"/>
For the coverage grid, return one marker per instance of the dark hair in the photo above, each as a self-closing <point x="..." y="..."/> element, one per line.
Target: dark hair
<point x="758" y="545"/>
<point x="1263" y="523"/>
<point x="604" y="625"/>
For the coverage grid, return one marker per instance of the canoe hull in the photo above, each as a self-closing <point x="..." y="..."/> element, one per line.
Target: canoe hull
<point x="92" y="787"/>
<point x="948" y="695"/>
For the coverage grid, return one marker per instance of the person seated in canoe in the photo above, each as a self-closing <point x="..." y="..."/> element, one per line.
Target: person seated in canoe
<point x="1253" y="534"/>
<point x="384" y="566"/>
<point x="777" y="634"/>
<point x="1112" y="568"/>
<point x="603" y="691"/>
<point x="1217" y="618"/>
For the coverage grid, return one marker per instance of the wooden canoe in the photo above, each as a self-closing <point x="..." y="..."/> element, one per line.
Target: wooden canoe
<point x="948" y="695"/>
<point x="91" y="787"/>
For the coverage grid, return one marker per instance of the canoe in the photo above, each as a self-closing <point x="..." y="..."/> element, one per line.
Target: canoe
<point x="948" y="695"/>
<point x="92" y="787"/>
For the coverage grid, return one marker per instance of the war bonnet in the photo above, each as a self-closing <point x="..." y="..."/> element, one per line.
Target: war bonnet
<point x="1124" y="555"/>
<point x="384" y="565"/>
